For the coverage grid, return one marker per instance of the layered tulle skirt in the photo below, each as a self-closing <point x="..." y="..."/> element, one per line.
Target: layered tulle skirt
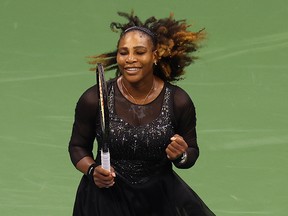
<point x="166" y="194"/>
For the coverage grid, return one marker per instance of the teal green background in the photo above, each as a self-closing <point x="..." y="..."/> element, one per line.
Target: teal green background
<point x="239" y="87"/>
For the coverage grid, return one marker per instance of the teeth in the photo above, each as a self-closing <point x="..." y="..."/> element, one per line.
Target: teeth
<point x="132" y="69"/>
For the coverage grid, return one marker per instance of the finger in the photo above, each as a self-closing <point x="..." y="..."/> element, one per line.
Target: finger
<point x="104" y="182"/>
<point x="102" y="171"/>
<point x="108" y="183"/>
<point x="103" y="178"/>
<point x="172" y="155"/>
<point x="176" y="147"/>
<point x="169" y="153"/>
<point x="101" y="185"/>
<point x="105" y="172"/>
<point x="175" y="150"/>
<point x="113" y="173"/>
<point x="178" y="139"/>
<point x="179" y="143"/>
<point x="176" y="136"/>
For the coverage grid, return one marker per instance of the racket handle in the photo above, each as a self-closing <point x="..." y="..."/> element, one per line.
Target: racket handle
<point x="105" y="160"/>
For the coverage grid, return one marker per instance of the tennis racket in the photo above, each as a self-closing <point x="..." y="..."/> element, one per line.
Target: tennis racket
<point x="104" y="116"/>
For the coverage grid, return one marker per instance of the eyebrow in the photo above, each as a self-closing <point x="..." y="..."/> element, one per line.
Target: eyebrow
<point x="136" y="47"/>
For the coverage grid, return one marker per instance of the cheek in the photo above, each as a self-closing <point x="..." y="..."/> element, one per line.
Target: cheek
<point x="119" y="59"/>
<point x="148" y="61"/>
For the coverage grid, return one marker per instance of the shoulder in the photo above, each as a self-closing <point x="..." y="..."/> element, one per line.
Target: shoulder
<point x="89" y="97"/>
<point x="179" y="95"/>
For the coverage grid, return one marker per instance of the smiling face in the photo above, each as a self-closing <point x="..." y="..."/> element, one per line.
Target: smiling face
<point x="135" y="56"/>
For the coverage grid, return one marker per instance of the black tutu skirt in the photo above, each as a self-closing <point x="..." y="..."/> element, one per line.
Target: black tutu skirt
<point x="163" y="195"/>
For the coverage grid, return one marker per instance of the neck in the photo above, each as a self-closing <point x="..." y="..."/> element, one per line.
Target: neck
<point x="140" y="98"/>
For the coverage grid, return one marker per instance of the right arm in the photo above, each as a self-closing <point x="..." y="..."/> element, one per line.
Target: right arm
<point x="83" y="136"/>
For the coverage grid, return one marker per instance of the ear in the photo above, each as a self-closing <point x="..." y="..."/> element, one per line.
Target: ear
<point x="155" y="56"/>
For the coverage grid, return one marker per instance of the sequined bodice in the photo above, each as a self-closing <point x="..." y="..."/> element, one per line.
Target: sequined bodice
<point x="138" y="152"/>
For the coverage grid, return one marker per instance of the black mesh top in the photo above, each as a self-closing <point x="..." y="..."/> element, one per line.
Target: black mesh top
<point x="139" y="134"/>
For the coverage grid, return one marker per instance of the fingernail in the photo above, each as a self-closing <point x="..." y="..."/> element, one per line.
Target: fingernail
<point x="173" y="138"/>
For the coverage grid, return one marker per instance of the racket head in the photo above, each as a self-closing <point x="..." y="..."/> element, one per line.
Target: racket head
<point x="103" y="105"/>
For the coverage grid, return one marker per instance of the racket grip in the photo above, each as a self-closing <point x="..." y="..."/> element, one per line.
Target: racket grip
<point x="105" y="160"/>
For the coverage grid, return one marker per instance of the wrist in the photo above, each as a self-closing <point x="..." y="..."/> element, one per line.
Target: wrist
<point x="182" y="159"/>
<point x="90" y="171"/>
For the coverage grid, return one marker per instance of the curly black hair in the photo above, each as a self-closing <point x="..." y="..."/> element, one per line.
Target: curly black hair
<point x="173" y="41"/>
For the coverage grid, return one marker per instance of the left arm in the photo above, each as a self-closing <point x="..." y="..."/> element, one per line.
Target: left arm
<point x="185" y="139"/>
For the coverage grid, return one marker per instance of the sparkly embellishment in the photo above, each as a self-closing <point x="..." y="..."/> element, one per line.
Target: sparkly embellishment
<point x="138" y="152"/>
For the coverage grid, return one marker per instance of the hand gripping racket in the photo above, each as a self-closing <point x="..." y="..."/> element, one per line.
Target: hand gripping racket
<point x="104" y="116"/>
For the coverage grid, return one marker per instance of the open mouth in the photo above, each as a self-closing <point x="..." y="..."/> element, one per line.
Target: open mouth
<point x="132" y="69"/>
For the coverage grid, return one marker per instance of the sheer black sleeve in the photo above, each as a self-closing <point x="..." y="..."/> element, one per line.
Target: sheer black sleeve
<point x="185" y="117"/>
<point x="83" y="132"/>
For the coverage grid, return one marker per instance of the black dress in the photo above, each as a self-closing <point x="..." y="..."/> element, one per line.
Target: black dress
<point x="145" y="183"/>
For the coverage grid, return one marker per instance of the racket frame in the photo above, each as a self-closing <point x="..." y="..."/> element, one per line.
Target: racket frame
<point x="104" y="115"/>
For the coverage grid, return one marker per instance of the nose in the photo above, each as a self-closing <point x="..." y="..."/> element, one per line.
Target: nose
<point x="130" y="58"/>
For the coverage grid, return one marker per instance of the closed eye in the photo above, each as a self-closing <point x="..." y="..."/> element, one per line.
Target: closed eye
<point x="140" y="52"/>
